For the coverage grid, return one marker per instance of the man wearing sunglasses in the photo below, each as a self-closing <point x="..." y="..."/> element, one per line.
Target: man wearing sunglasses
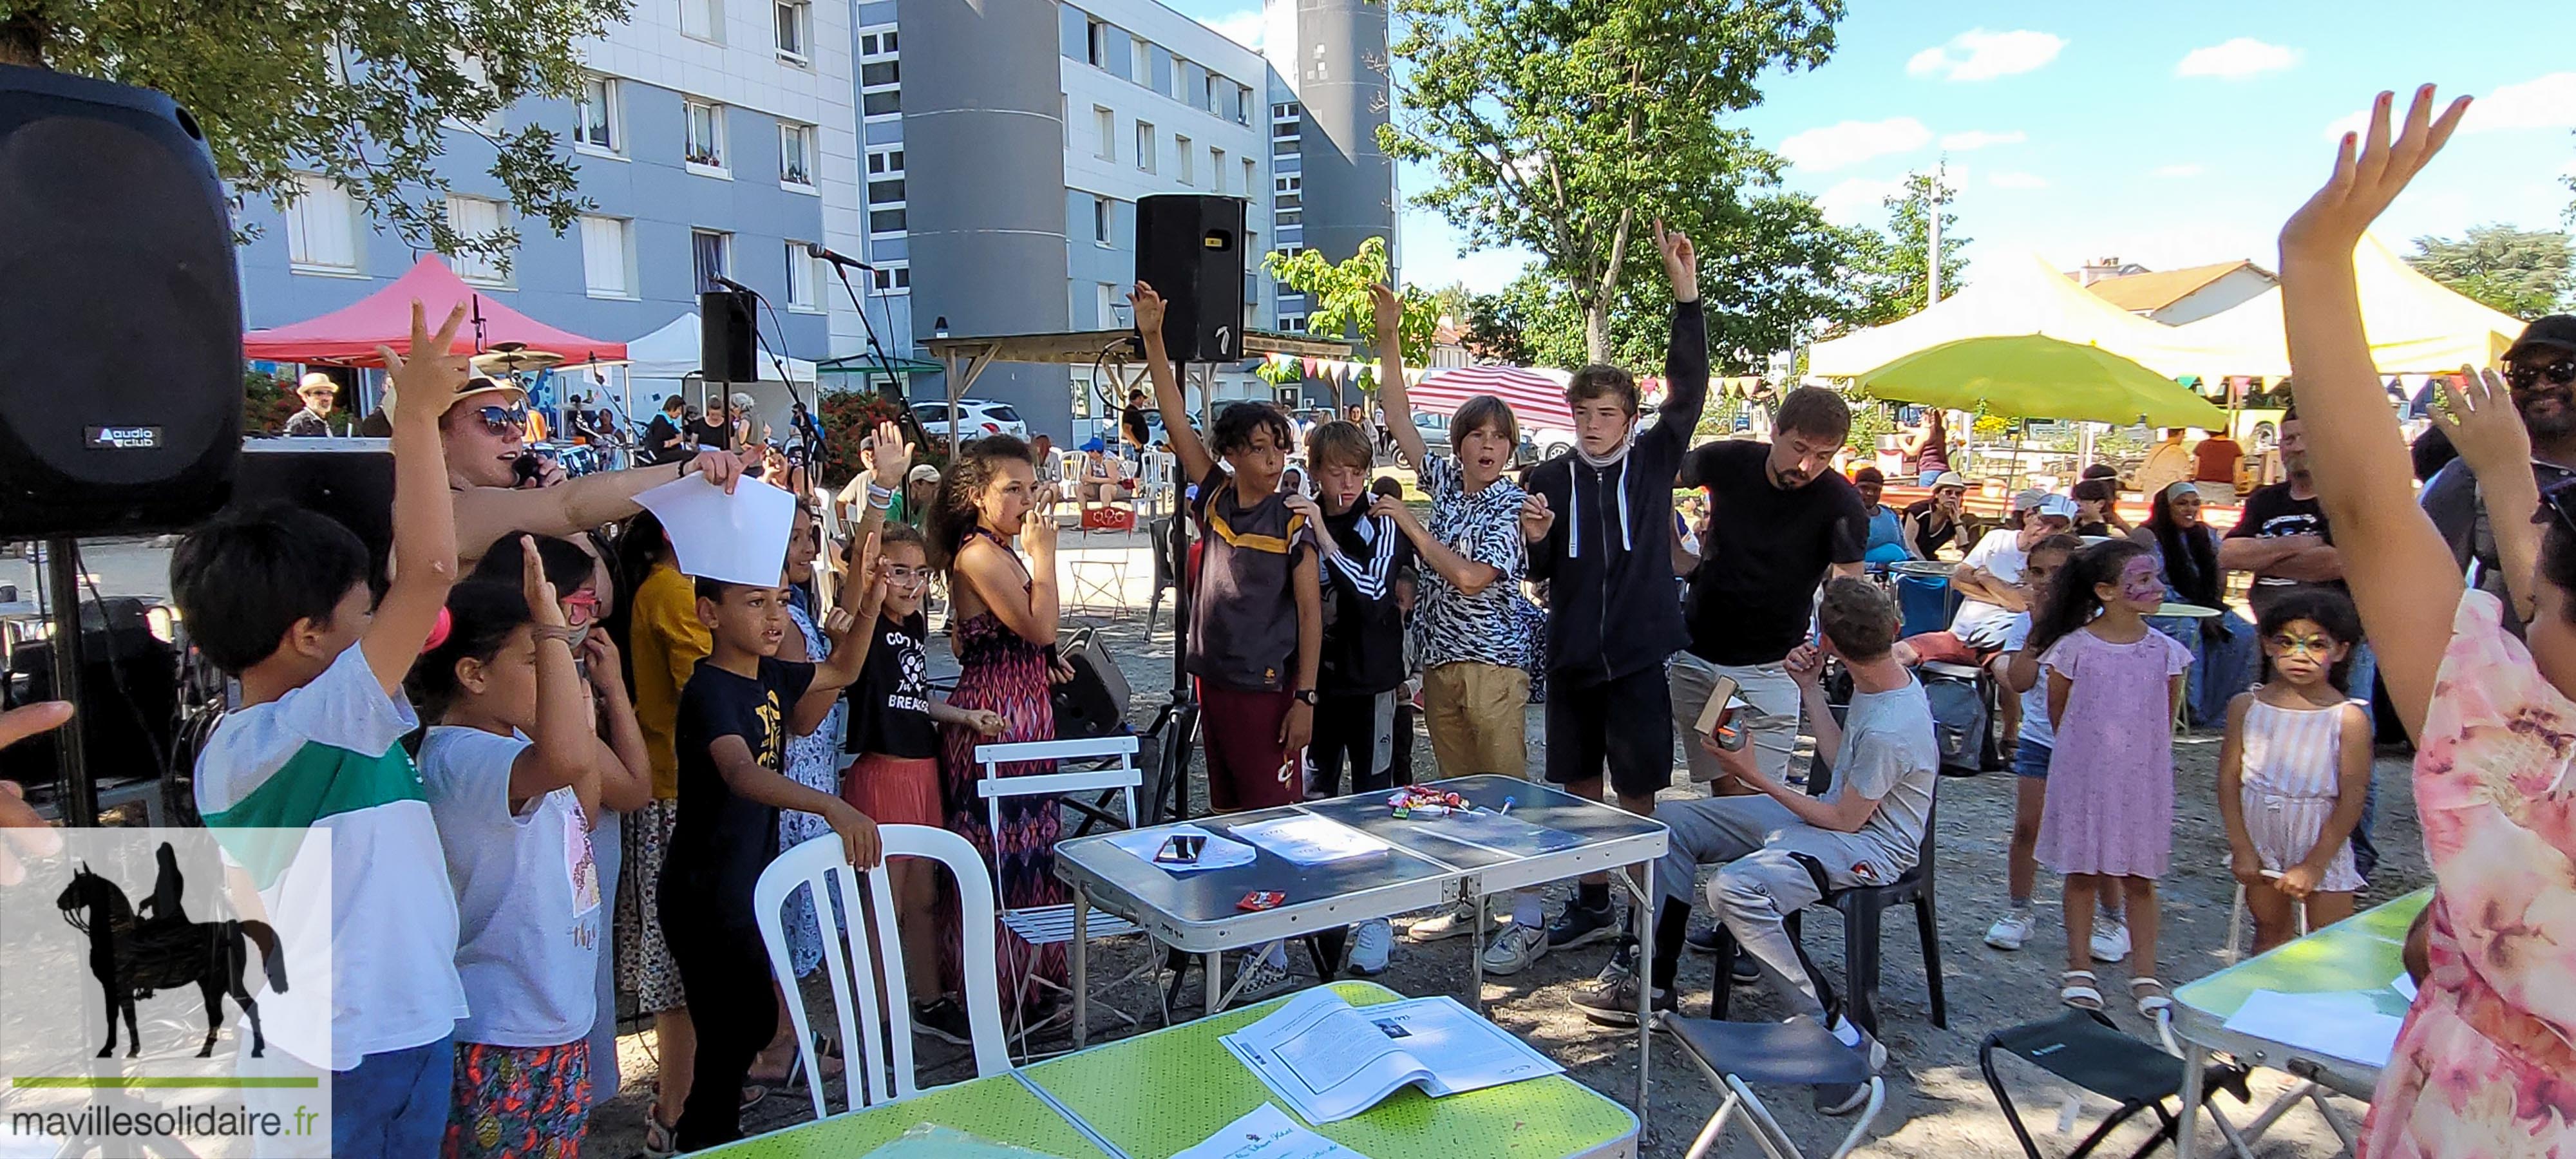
<point x="500" y="489"/>
<point x="2540" y="370"/>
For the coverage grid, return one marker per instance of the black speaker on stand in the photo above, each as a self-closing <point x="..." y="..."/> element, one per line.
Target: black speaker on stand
<point x="1189" y="247"/>
<point x="726" y="344"/>
<point x="123" y="329"/>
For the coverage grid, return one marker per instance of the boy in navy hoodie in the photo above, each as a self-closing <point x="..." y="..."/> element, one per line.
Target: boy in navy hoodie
<point x="1600" y="526"/>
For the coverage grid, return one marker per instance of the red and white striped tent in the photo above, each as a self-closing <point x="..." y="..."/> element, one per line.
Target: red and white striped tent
<point x="1537" y="397"/>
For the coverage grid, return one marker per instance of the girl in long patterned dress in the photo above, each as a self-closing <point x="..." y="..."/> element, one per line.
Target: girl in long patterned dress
<point x="2482" y="1064"/>
<point x="1002" y="620"/>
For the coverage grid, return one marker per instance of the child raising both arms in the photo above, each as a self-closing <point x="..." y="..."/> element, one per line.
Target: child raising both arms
<point x="2113" y="686"/>
<point x="2293" y="769"/>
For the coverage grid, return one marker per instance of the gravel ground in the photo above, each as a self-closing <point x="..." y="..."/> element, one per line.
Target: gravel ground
<point x="1938" y="1105"/>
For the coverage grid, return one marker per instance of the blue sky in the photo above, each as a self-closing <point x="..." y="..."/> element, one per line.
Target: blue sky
<point x="2168" y="134"/>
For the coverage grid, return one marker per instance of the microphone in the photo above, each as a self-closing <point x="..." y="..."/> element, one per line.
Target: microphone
<point x="814" y="249"/>
<point x="733" y="285"/>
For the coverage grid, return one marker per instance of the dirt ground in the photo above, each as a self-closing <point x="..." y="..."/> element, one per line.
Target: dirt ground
<point x="1938" y="1104"/>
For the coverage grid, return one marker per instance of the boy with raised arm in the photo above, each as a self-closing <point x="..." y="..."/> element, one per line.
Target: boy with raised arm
<point x="1600" y="527"/>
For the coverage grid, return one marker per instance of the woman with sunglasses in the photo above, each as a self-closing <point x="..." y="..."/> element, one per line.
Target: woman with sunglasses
<point x="485" y="431"/>
<point x="2540" y="372"/>
<point x="2480" y="1065"/>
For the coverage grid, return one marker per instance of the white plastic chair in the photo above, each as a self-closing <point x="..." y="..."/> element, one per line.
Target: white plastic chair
<point x="1154" y="480"/>
<point x="885" y="1042"/>
<point x="1051" y="925"/>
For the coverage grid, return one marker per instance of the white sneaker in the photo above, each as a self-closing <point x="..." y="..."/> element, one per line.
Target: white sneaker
<point x="2013" y="929"/>
<point x="1515" y="949"/>
<point x="1370" y="944"/>
<point x="1457" y="921"/>
<point x="2110" y="940"/>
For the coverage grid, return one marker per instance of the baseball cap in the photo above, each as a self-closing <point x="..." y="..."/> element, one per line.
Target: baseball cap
<point x="2030" y="500"/>
<point x="2056" y="505"/>
<point x="922" y="472"/>
<point x="2557" y="330"/>
<point x="1950" y="479"/>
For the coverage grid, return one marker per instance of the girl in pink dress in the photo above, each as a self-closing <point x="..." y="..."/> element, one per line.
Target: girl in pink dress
<point x="2483" y="1065"/>
<point x="2113" y="684"/>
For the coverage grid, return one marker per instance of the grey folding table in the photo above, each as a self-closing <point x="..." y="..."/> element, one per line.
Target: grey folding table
<point x="1546" y="836"/>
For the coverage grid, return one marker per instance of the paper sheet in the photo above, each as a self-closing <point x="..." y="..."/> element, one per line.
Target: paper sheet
<point x="1311" y="840"/>
<point x="739" y="538"/>
<point x="2343" y="1023"/>
<point x="2404" y="985"/>
<point x="1267" y="1133"/>
<point x="1219" y="853"/>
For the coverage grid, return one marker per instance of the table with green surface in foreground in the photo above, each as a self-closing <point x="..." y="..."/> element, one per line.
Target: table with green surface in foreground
<point x="2359" y="953"/>
<point x="1153" y="1095"/>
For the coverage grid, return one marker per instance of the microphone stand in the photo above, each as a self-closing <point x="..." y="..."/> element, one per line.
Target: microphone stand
<point x="885" y="365"/>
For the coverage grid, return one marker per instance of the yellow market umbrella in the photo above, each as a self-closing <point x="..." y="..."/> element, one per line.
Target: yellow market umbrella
<point x="2035" y="376"/>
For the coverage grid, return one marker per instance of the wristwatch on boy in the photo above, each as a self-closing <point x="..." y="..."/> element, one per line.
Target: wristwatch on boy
<point x="1306" y="696"/>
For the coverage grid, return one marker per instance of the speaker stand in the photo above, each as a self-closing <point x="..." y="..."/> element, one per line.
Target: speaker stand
<point x="62" y="597"/>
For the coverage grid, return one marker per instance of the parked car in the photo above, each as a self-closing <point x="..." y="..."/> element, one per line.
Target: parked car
<point x="979" y="417"/>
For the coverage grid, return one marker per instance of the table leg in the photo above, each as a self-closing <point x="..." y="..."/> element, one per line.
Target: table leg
<point x="1215" y="974"/>
<point x="2187" y="1127"/>
<point x="1081" y="965"/>
<point x="1476" y="950"/>
<point x="1645" y="909"/>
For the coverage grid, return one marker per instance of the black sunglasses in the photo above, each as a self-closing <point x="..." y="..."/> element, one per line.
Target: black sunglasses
<point x="2526" y="375"/>
<point x="499" y="419"/>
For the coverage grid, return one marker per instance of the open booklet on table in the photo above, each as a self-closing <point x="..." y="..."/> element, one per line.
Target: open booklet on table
<point x="1329" y="1060"/>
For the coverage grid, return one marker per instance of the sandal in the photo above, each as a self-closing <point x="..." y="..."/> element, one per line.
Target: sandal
<point x="2151" y="1004"/>
<point x="2077" y="988"/>
<point x="661" y="1140"/>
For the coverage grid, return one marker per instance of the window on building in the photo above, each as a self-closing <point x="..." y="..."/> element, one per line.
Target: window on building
<point x="1140" y="61"/>
<point x="1105" y="124"/>
<point x="880" y="73"/>
<point x="1288" y="218"/>
<point x="1216" y="169"/>
<point x="703" y="19"/>
<point x="1189" y="168"/>
<point x="1209" y="86"/>
<point x="1104" y="305"/>
<point x="476" y="219"/>
<point x="800" y="277"/>
<point x="1096" y="44"/>
<point x="885" y="192"/>
<point x="892" y="279"/>
<point x="595" y="116"/>
<point x="885" y="221"/>
<point x="608" y="256"/>
<point x="885" y="161"/>
<point x="795" y="29"/>
<point x="704" y="144"/>
<point x="1180" y="78"/>
<point x="711" y="252"/>
<point x="321" y="228"/>
<point x="1147" y="147"/>
<point x="1292" y="325"/>
<point x="796" y="155"/>
<point x="881" y="84"/>
<point x="1251" y="177"/>
<point x="1243" y="104"/>
<point x="873" y="43"/>
<point x="1100" y="220"/>
<point x="479" y="81"/>
<point x="1287" y="192"/>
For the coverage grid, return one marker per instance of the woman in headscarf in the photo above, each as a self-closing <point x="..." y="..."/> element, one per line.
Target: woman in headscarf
<point x="2223" y="652"/>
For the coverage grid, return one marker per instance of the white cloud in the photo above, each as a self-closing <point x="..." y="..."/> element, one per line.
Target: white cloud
<point x="2183" y="170"/>
<point x="2547" y="101"/>
<point x="1858" y="201"/>
<point x="1980" y="139"/>
<point x="1244" y="28"/>
<point x="1852" y="142"/>
<point x="1977" y="55"/>
<point x="2014" y="179"/>
<point x="2237" y="59"/>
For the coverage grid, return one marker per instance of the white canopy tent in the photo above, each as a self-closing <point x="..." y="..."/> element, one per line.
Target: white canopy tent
<point x="2416" y="325"/>
<point x="666" y="362"/>
<point x="2020" y="295"/>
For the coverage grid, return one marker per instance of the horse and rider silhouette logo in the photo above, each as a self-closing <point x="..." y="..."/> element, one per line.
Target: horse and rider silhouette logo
<point x="133" y="955"/>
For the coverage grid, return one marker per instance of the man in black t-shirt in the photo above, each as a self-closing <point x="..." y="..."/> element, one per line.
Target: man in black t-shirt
<point x="1780" y="519"/>
<point x="1135" y="434"/>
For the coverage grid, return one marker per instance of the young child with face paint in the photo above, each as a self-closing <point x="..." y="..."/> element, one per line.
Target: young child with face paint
<point x="2113" y="685"/>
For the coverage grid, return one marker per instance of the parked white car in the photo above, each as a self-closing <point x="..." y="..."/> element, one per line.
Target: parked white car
<point x="979" y="417"/>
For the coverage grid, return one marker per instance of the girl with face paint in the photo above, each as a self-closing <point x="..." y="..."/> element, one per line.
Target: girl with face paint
<point x="2114" y="684"/>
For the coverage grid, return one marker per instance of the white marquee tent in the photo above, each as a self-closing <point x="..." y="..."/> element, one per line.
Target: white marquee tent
<point x="657" y="364"/>
<point x="2020" y="295"/>
<point x="2416" y="325"/>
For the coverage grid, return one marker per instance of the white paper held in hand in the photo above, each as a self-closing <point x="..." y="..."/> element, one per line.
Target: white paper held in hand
<point x="739" y="538"/>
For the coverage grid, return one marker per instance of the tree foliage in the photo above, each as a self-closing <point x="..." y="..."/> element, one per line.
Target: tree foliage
<point x="1893" y="267"/>
<point x="366" y="93"/>
<point x="2522" y="272"/>
<point x="1566" y="128"/>
<point x="1339" y="307"/>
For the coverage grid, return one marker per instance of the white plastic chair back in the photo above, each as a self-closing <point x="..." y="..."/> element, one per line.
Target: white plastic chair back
<point x="1053" y="924"/>
<point x="884" y="1040"/>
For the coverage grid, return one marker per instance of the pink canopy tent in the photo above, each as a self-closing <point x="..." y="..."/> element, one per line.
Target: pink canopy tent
<point x="349" y="336"/>
<point x="1536" y="396"/>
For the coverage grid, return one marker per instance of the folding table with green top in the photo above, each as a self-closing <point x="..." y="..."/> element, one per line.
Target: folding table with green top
<point x="2360" y="953"/>
<point x="1156" y="1094"/>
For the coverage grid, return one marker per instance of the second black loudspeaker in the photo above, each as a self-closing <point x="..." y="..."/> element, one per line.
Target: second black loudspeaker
<point x="1189" y="248"/>
<point x="725" y="342"/>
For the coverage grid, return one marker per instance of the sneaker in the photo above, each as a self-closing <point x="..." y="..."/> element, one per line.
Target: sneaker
<point x="1744" y="970"/>
<point x="2013" y="929"/>
<point x="1370" y="944"/>
<point x="1264" y="972"/>
<point x="1611" y="997"/>
<point x="1515" y="949"/>
<point x="1702" y="941"/>
<point x="944" y="1020"/>
<point x="1844" y="1098"/>
<point x="1579" y="926"/>
<point x="1457" y="921"/>
<point x="2110" y="940"/>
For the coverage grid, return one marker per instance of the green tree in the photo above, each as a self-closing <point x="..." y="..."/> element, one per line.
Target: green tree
<point x="363" y="92"/>
<point x="1566" y="129"/>
<point x="1339" y="297"/>
<point x="1894" y="266"/>
<point x="2522" y="272"/>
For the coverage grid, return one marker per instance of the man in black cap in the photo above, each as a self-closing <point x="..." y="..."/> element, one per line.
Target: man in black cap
<point x="2541" y="371"/>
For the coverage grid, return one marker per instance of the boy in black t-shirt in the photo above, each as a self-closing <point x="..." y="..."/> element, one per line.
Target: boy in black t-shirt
<point x="735" y="716"/>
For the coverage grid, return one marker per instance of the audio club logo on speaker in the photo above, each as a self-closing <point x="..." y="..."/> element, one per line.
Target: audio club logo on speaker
<point x="169" y="992"/>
